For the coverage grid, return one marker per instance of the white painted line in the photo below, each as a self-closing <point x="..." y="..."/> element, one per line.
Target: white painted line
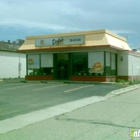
<point x="36" y="116"/>
<point x="49" y="87"/>
<point x="78" y="88"/>
<point x="22" y="86"/>
<point x="10" y="84"/>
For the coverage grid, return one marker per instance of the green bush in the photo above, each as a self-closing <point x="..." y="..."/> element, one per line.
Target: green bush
<point x="121" y="80"/>
<point x="134" y="82"/>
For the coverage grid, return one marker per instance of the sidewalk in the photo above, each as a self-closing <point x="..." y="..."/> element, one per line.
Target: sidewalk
<point x="107" y="119"/>
<point x="18" y="80"/>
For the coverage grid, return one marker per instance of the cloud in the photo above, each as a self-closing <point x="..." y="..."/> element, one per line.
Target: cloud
<point x="124" y="31"/>
<point x="66" y="14"/>
<point x="121" y="17"/>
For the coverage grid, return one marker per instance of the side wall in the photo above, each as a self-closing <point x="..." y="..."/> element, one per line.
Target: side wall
<point x="134" y="65"/>
<point x="9" y="64"/>
<point x="122" y="64"/>
<point x="128" y="66"/>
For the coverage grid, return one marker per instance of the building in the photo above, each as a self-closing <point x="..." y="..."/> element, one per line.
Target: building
<point x="12" y="64"/>
<point x="81" y="56"/>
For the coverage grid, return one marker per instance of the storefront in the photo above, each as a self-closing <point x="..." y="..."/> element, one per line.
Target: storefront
<point x="81" y="56"/>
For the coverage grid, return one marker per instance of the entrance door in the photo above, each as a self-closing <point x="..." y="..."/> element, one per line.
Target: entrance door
<point x="62" y="69"/>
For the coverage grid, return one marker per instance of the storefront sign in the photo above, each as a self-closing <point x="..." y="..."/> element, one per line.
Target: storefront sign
<point x="69" y="40"/>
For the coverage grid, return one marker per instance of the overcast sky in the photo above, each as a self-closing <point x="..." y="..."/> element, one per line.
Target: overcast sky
<point x="21" y="18"/>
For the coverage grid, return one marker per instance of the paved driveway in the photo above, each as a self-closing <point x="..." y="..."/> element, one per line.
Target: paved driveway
<point x="21" y="98"/>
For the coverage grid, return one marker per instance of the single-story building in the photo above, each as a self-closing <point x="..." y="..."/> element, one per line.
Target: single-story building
<point x="98" y="55"/>
<point x="12" y="63"/>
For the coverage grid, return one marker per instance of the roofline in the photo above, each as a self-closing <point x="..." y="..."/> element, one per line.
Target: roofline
<point x="130" y="52"/>
<point x="133" y="52"/>
<point x="77" y="33"/>
<point x="13" y="51"/>
<point x="70" y="48"/>
<point x="63" y="48"/>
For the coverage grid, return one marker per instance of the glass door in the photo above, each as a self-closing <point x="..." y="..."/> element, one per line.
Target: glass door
<point x="62" y="66"/>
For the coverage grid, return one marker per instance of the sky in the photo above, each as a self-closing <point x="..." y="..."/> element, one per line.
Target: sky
<point x="21" y="18"/>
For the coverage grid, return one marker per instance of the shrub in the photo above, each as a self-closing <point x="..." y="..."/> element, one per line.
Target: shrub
<point x="121" y="81"/>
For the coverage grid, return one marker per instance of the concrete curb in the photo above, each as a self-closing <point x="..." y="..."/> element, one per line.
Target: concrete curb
<point x="122" y="90"/>
<point x="55" y="82"/>
<point x="13" y="80"/>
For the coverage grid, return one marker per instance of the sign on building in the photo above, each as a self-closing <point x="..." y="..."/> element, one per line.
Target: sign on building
<point x="69" y="40"/>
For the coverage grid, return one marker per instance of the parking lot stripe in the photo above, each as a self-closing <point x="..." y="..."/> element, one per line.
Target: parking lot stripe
<point x="78" y="88"/>
<point x="22" y="86"/>
<point x="10" y="84"/>
<point x="48" y="87"/>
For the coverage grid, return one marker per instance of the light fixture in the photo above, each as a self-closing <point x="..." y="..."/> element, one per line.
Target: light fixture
<point x="121" y="58"/>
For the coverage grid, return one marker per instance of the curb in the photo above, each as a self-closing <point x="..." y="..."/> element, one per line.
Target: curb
<point x="122" y="90"/>
<point x="55" y="82"/>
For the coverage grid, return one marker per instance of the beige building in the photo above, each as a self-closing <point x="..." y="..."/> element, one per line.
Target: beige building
<point x="81" y="56"/>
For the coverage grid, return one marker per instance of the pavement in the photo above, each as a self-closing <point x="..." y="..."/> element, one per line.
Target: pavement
<point x="23" y="98"/>
<point x="111" y="117"/>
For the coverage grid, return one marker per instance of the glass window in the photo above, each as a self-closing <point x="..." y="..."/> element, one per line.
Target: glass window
<point x="80" y="63"/>
<point x="96" y="63"/>
<point x="113" y="64"/>
<point x="33" y="64"/>
<point x="40" y="64"/>
<point x="46" y="64"/>
<point x="110" y="64"/>
<point x="47" y="60"/>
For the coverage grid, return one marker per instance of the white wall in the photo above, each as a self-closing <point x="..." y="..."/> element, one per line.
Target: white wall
<point x="125" y="66"/>
<point x="122" y="65"/>
<point x="135" y="61"/>
<point x="9" y="62"/>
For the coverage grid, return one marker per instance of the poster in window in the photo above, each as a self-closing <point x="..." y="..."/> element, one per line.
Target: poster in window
<point x="33" y="62"/>
<point x="97" y="68"/>
<point x="96" y="62"/>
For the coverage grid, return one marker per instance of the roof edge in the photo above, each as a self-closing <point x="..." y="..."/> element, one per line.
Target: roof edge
<point x="115" y="35"/>
<point x="77" y="33"/>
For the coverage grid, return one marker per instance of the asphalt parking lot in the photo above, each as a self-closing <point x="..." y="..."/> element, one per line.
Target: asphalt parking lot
<point x="21" y="98"/>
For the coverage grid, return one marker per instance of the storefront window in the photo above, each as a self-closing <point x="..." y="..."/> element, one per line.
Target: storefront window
<point x="80" y="63"/>
<point x="113" y="64"/>
<point x="46" y="64"/>
<point x="96" y="63"/>
<point x="110" y="64"/>
<point x="33" y="64"/>
<point x="40" y="64"/>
